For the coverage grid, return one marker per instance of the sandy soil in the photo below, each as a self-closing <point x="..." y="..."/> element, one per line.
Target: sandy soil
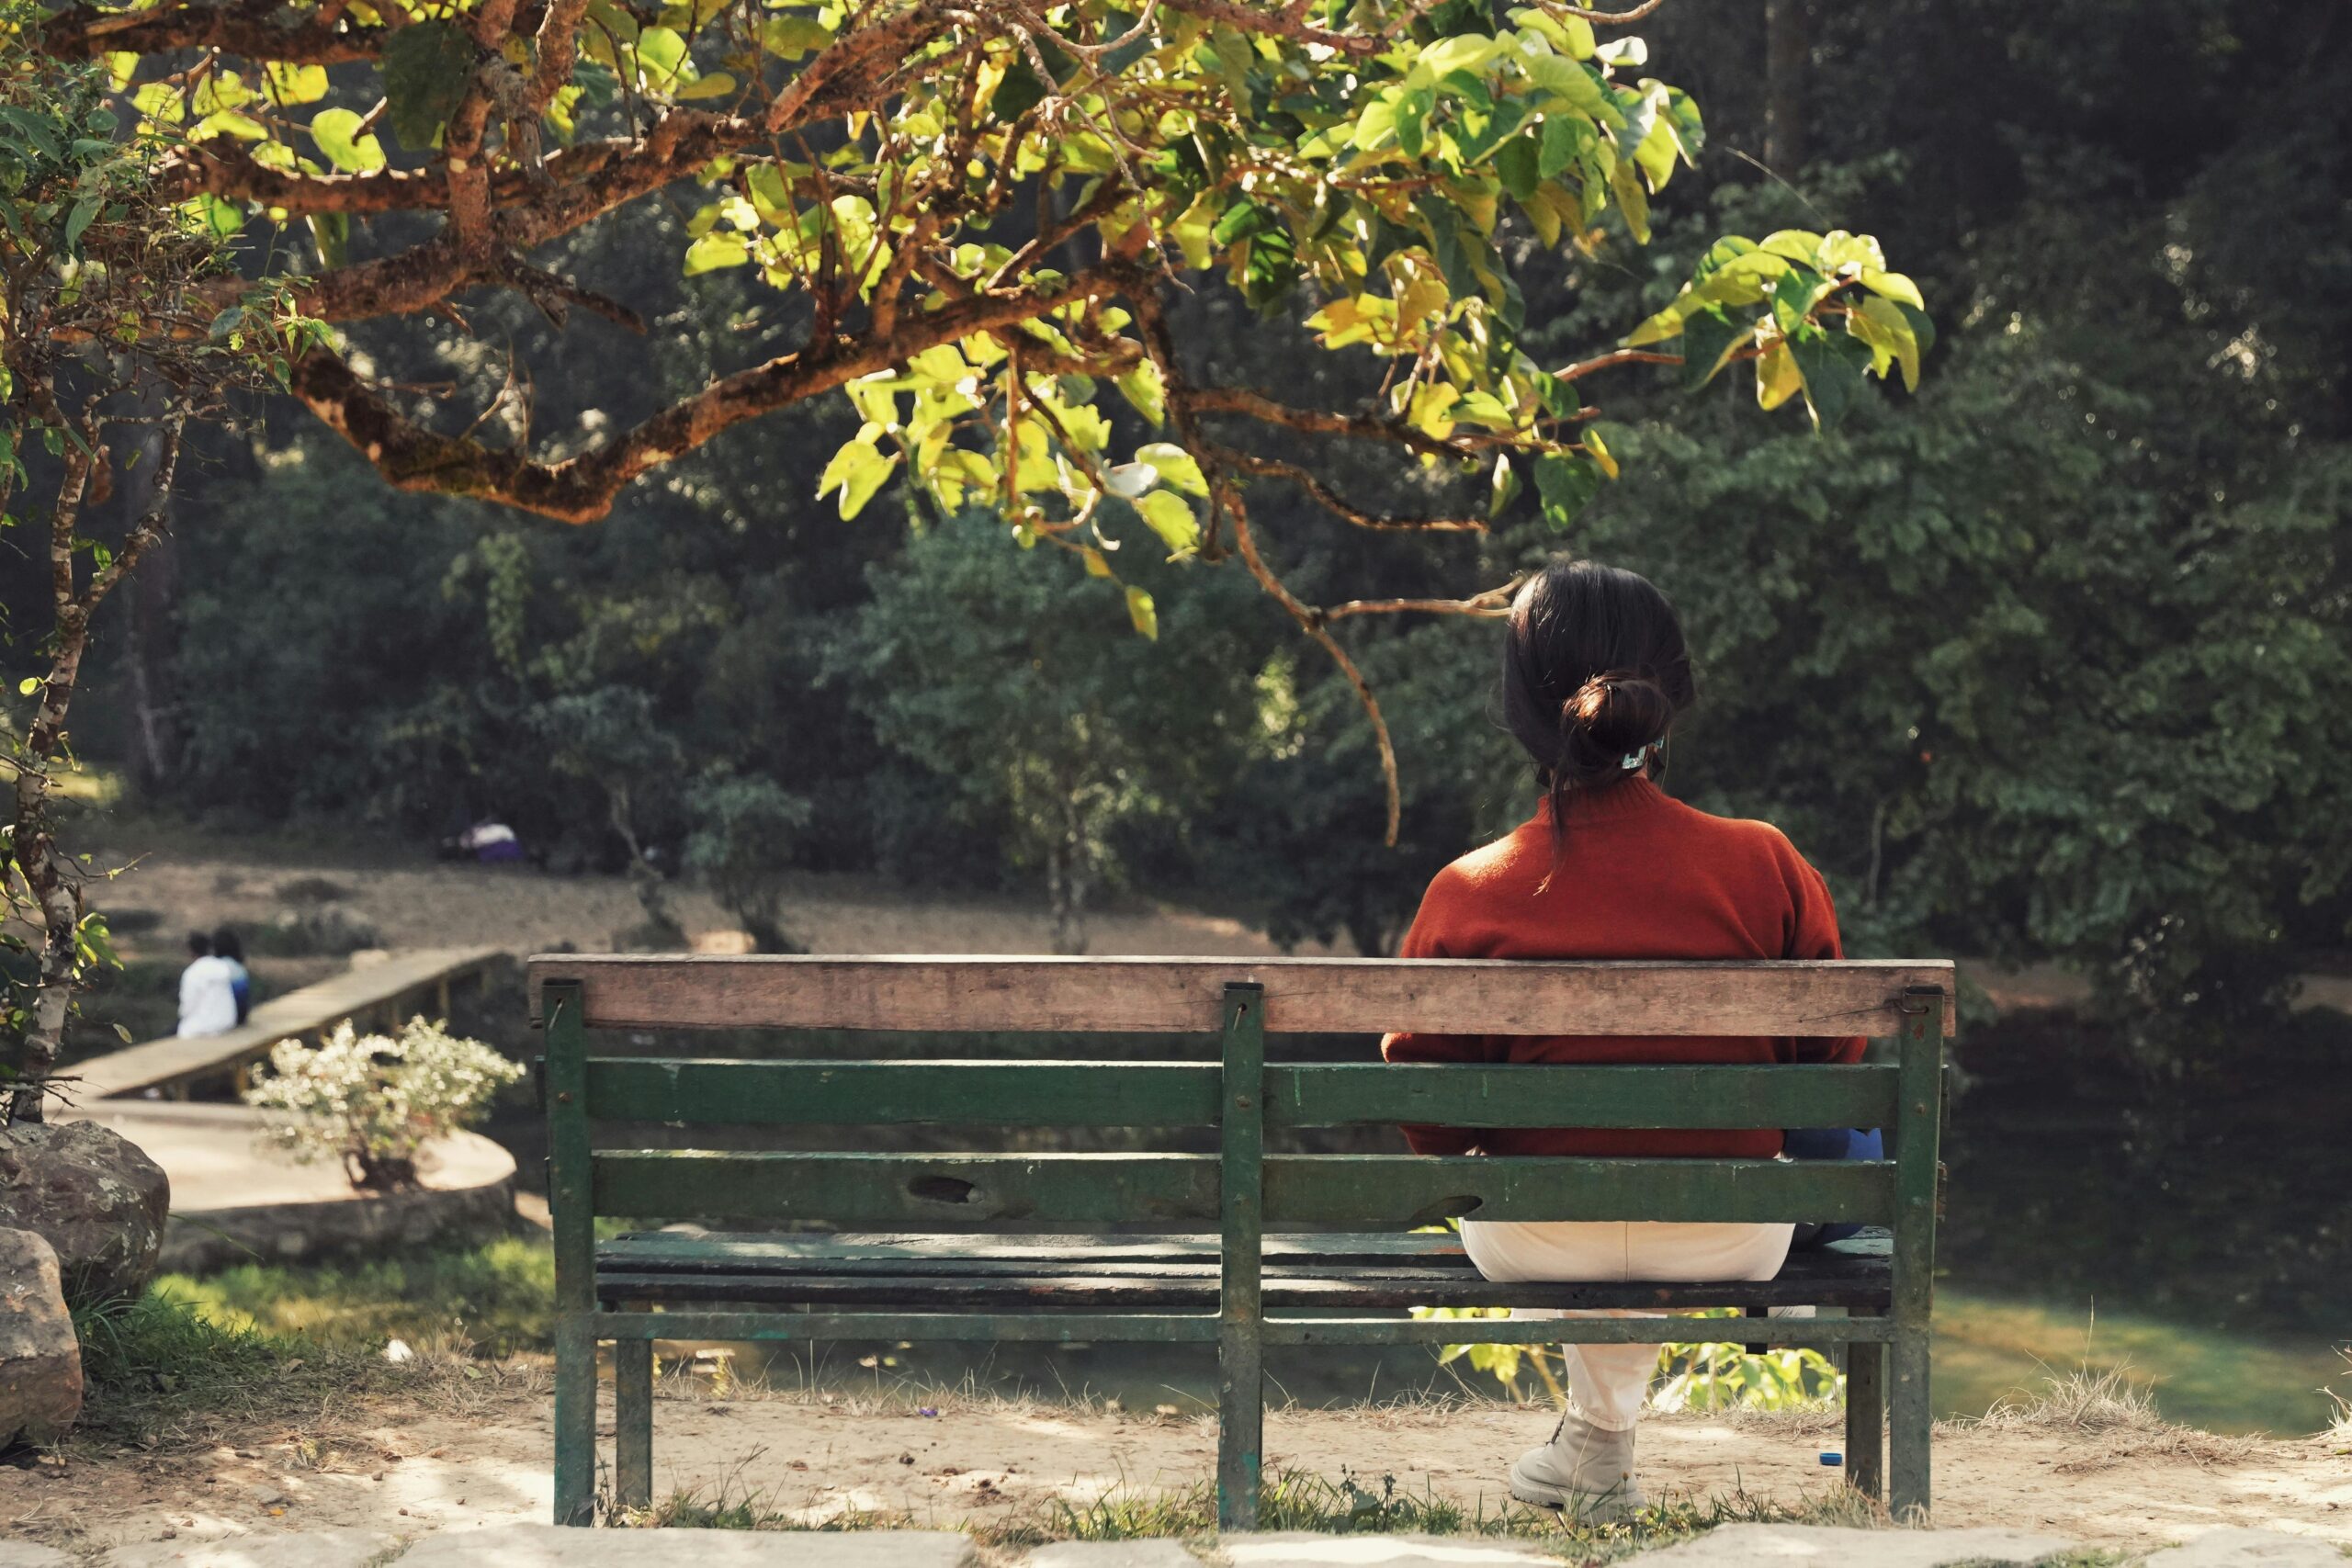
<point x="525" y="911"/>
<point x="988" y="1460"/>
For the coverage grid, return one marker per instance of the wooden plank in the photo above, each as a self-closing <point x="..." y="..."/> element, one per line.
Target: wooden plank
<point x="173" y="1060"/>
<point x="701" y="1091"/>
<point x="1820" y="1332"/>
<point x="704" y="1092"/>
<point x="1182" y="996"/>
<point x="759" y="1249"/>
<point x="1418" y="1189"/>
<point x="1581" y="1096"/>
<point x="1027" y="1327"/>
<point x="1401" y="1191"/>
<point x="1343" y="1289"/>
<point x="1087" y="1189"/>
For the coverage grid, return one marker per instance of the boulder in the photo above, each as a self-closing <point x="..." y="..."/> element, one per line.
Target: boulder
<point x="94" y="1196"/>
<point x="40" y="1361"/>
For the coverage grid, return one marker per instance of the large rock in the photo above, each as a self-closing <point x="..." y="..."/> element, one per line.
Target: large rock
<point x="94" y="1196"/>
<point x="40" y="1361"/>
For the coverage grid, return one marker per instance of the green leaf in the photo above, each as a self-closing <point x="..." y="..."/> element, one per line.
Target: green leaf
<point x="1892" y="286"/>
<point x="29" y="685"/>
<point x="1175" y="466"/>
<point x="1018" y="93"/>
<point x="717" y="84"/>
<point x="426" y="68"/>
<point x="1831" y="366"/>
<point x="1710" y="337"/>
<point x="1144" y="391"/>
<point x="78" y="220"/>
<point x="1519" y="167"/>
<point x="1564" y="485"/>
<point x="857" y="470"/>
<point x="792" y="37"/>
<point x="1143" y="613"/>
<point x="1793" y="296"/>
<point x="337" y="133"/>
<point x="716" y="250"/>
<point x="1170" y="516"/>
<point x="1411" y="117"/>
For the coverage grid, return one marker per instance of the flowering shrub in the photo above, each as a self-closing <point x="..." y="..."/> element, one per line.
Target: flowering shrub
<point x="371" y="1100"/>
<point x="1696" y="1375"/>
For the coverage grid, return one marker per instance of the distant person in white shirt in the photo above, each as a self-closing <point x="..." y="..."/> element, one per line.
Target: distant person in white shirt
<point x="208" y="990"/>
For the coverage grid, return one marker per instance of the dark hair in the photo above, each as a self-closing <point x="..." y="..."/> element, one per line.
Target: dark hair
<point x="1594" y="671"/>
<point x="200" y="945"/>
<point x="225" y="943"/>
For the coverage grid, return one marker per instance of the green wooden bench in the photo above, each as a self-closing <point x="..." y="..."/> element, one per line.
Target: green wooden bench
<point x="1307" y="1250"/>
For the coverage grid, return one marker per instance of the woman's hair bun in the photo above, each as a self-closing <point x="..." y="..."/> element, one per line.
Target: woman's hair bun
<point x="1612" y="717"/>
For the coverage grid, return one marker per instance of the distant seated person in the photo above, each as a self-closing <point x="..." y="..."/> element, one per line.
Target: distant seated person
<point x="1595" y="674"/>
<point x="231" y="951"/>
<point x="208" y="990"/>
<point x="486" y="842"/>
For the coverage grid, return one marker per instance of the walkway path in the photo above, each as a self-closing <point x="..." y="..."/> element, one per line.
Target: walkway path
<point x="381" y="988"/>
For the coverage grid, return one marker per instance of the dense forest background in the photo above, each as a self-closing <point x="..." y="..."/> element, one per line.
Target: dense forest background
<point x="2049" y="660"/>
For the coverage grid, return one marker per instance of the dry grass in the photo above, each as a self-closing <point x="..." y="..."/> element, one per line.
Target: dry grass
<point x="2117" y="1414"/>
<point x="165" y="1379"/>
<point x="1351" y="1505"/>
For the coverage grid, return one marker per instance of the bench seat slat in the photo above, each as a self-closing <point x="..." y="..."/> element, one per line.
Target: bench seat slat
<point x="1299" y="1189"/>
<point x="1339" y="1289"/>
<point x="706" y="1092"/>
<point x="658" y="1249"/>
<point x="1184" y="995"/>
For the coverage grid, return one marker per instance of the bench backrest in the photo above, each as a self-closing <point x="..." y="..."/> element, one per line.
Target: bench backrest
<point x="1237" y="1002"/>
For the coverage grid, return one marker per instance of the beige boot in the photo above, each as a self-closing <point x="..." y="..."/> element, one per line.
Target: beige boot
<point x="1585" y="1470"/>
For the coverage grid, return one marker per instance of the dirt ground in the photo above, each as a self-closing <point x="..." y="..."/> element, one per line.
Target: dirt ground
<point x="526" y="911"/>
<point x="425" y="1469"/>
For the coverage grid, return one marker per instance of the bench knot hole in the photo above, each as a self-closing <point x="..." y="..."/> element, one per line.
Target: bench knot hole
<point x="942" y="1189"/>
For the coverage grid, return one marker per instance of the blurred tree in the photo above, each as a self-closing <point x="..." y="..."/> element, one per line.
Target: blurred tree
<point x="1019" y="689"/>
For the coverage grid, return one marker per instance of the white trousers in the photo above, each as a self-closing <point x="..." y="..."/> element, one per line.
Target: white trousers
<point x="1609" y="1382"/>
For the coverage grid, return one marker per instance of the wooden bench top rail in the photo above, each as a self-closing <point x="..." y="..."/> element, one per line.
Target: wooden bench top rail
<point x="1180" y="1328"/>
<point x="1184" y="995"/>
<point x="352" y="994"/>
<point x="700" y="1092"/>
<point x="1299" y="1189"/>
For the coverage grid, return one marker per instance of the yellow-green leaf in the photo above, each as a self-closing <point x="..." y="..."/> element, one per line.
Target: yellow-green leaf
<point x="1892" y="286"/>
<point x="1170" y="516"/>
<point x="1143" y="613"/>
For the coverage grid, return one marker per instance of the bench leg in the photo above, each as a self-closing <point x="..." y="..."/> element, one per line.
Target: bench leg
<point x="1914" y="1418"/>
<point x="575" y="1424"/>
<point x="633" y="1422"/>
<point x="1866" y="1419"/>
<point x="1240" y="1427"/>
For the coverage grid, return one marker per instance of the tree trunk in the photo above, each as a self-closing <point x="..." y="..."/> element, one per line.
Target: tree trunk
<point x="48" y="875"/>
<point x="1788" y="68"/>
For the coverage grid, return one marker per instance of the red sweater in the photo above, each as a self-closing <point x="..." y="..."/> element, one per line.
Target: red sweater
<point x="1641" y="875"/>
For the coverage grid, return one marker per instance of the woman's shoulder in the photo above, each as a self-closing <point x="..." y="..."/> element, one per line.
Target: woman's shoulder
<point x="1749" y="837"/>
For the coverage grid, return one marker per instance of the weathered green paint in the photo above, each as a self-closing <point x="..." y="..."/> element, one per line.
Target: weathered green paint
<point x="571" y="1213"/>
<point x="633" y="1422"/>
<point x="1416" y="1190"/>
<point x="996" y="1094"/>
<point x="1866" y="1419"/>
<point x="1027" y="1327"/>
<point x="1917" y="1126"/>
<point x="1679" y="1096"/>
<point x="1184" y="1094"/>
<point x="1123" y="1287"/>
<point x="1815" y="1331"/>
<point x="1240" y="1354"/>
<point x="1092" y="1189"/>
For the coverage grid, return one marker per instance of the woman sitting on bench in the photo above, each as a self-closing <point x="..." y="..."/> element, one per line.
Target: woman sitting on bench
<point x="1595" y="671"/>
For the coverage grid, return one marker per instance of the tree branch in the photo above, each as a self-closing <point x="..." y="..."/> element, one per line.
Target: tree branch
<point x="581" y="489"/>
<point x="1274" y="469"/>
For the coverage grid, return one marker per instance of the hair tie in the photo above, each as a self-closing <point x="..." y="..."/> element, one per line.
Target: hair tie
<point x="1635" y="759"/>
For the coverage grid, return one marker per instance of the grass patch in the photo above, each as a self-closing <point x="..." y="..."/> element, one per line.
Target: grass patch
<point x="2118" y="1414"/>
<point x="496" y="1294"/>
<point x="162" y="1374"/>
<point x="1290" y="1500"/>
